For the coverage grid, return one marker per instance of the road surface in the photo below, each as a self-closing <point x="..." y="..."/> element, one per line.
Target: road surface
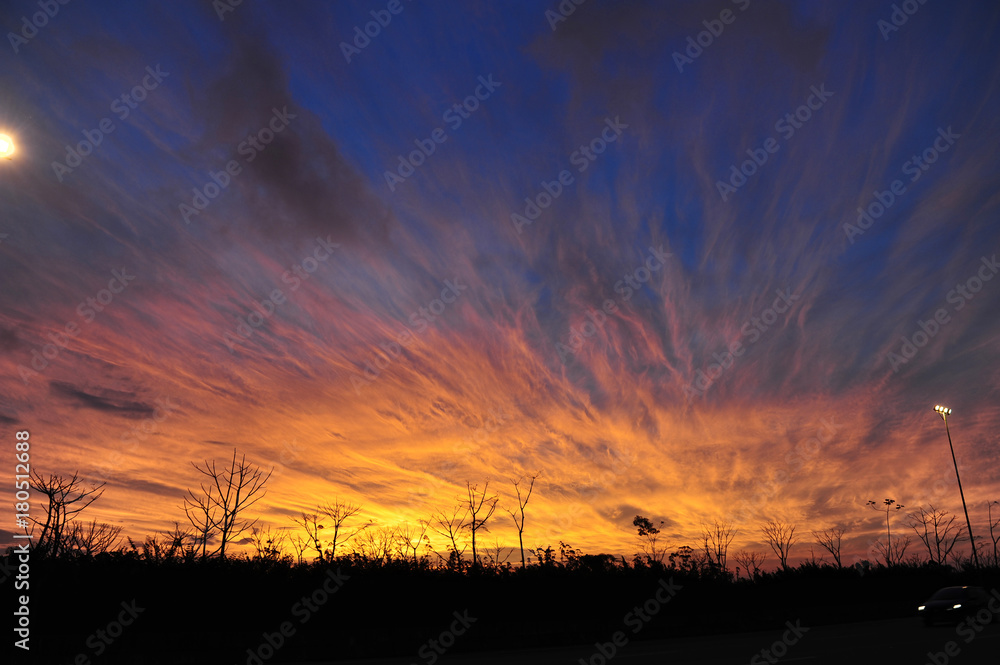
<point x="889" y="642"/>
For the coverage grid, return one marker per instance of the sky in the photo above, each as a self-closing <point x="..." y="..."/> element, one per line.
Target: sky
<point x="689" y="260"/>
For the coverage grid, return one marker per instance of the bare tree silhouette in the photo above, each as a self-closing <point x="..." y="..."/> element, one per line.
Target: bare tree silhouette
<point x="780" y="536"/>
<point x="311" y="523"/>
<point x="887" y="507"/>
<point x="994" y="531"/>
<point x="331" y="515"/>
<point x="494" y="554"/>
<point x="937" y="530"/>
<point x="267" y="544"/>
<point x="893" y="554"/>
<point x="750" y="561"/>
<point x="375" y="545"/>
<point x="338" y="512"/>
<point x="299" y="546"/>
<point x="201" y="515"/>
<point x="518" y="514"/>
<point x="220" y="505"/>
<point x="716" y="539"/>
<point x="66" y="499"/>
<point x="409" y="538"/>
<point x="450" y="526"/>
<point x="481" y="508"/>
<point x="93" y="538"/>
<point x="178" y="538"/>
<point x="831" y="540"/>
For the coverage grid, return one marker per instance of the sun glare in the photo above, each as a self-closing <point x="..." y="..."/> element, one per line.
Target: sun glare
<point x="6" y="146"/>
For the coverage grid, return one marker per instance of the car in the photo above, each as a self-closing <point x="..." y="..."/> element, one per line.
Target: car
<point x="954" y="603"/>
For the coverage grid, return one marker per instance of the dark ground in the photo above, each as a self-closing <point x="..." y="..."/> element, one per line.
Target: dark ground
<point x="887" y="642"/>
<point x="213" y="612"/>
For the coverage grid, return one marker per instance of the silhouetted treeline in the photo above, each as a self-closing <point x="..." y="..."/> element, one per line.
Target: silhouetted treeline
<point x="350" y="588"/>
<point x="212" y="610"/>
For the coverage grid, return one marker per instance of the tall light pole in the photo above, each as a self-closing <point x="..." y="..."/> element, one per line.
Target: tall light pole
<point x="944" y="412"/>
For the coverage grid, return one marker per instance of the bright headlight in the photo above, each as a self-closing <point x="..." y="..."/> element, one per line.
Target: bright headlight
<point x="955" y="607"/>
<point x="921" y="608"/>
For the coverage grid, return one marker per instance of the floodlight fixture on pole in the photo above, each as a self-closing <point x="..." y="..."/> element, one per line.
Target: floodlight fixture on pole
<point x="944" y="412"/>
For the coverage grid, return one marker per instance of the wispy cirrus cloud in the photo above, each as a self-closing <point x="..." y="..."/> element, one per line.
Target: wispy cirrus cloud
<point x="612" y="429"/>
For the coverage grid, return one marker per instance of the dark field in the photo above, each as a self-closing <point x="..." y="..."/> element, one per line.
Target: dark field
<point x="177" y="611"/>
